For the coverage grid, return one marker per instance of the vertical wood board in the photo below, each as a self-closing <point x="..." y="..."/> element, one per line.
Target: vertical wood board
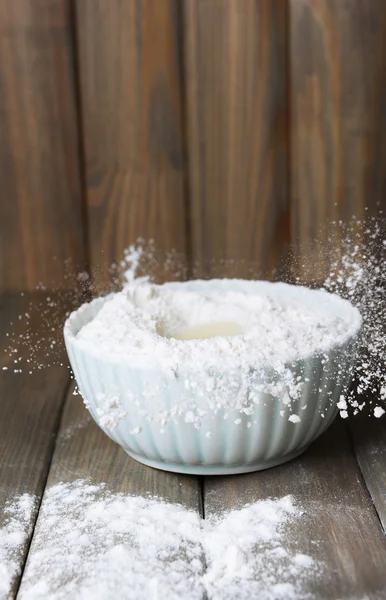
<point x="235" y="77"/>
<point x="41" y="224"/>
<point x="337" y="66"/>
<point x="130" y="86"/>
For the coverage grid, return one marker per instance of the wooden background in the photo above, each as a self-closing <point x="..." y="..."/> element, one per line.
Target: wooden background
<point x="225" y="129"/>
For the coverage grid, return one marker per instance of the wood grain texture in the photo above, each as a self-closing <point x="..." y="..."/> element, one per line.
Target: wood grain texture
<point x="235" y="57"/>
<point x="337" y="68"/>
<point x="369" y="441"/>
<point x="130" y="79"/>
<point x="339" y="528"/>
<point x="41" y="224"/>
<point x="30" y="407"/>
<point x="83" y="451"/>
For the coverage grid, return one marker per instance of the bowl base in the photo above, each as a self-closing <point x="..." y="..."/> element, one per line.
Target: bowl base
<point x="187" y="469"/>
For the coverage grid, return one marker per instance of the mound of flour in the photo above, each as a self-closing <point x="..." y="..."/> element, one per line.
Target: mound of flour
<point x="218" y="322"/>
<point x="91" y="543"/>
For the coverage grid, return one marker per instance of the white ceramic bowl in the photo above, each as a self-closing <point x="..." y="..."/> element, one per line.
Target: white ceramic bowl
<point x="112" y="389"/>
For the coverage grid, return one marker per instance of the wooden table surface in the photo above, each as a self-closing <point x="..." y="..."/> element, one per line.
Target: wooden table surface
<point x="46" y="436"/>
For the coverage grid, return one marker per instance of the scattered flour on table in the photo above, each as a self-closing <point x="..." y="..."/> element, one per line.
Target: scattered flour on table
<point x="90" y="543"/>
<point x="68" y="432"/>
<point x="17" y="526"/>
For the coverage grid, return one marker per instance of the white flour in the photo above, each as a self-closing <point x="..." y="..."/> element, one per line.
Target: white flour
<point x="359" y="274"/>
<point x="17" y="515"/>
<point x="90" y="543"/>
<point x="276" y="323"/>
<point x="227" y="343"/>
<point x="378" y="412"/>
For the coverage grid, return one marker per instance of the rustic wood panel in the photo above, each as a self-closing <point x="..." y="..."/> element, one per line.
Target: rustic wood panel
<point x="30" y="407"/>
<point x="41" y="226"/>
<point x="340" y="528"/>
<point x="235" y="57"/>
<point x="369" y="440"/>
<point x="83" y="451"/>
<point x="130" y="80"/>
<point x="337" y="68"/>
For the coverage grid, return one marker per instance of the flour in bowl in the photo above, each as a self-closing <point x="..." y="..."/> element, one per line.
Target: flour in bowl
<point x="200" y="347"/>
<point x="218" y="321"/>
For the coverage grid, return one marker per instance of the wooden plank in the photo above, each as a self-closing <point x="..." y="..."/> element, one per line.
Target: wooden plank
<point x="369" y="441"/>
<point x="338" y="120"/>
<point x="83" y="451"/>
<point x="41" y="225"/>
<point x="339" y="529"/>
<point x="130" y="79"/>
<point x="30" y="406"/>
<point x="235" y="57"/>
